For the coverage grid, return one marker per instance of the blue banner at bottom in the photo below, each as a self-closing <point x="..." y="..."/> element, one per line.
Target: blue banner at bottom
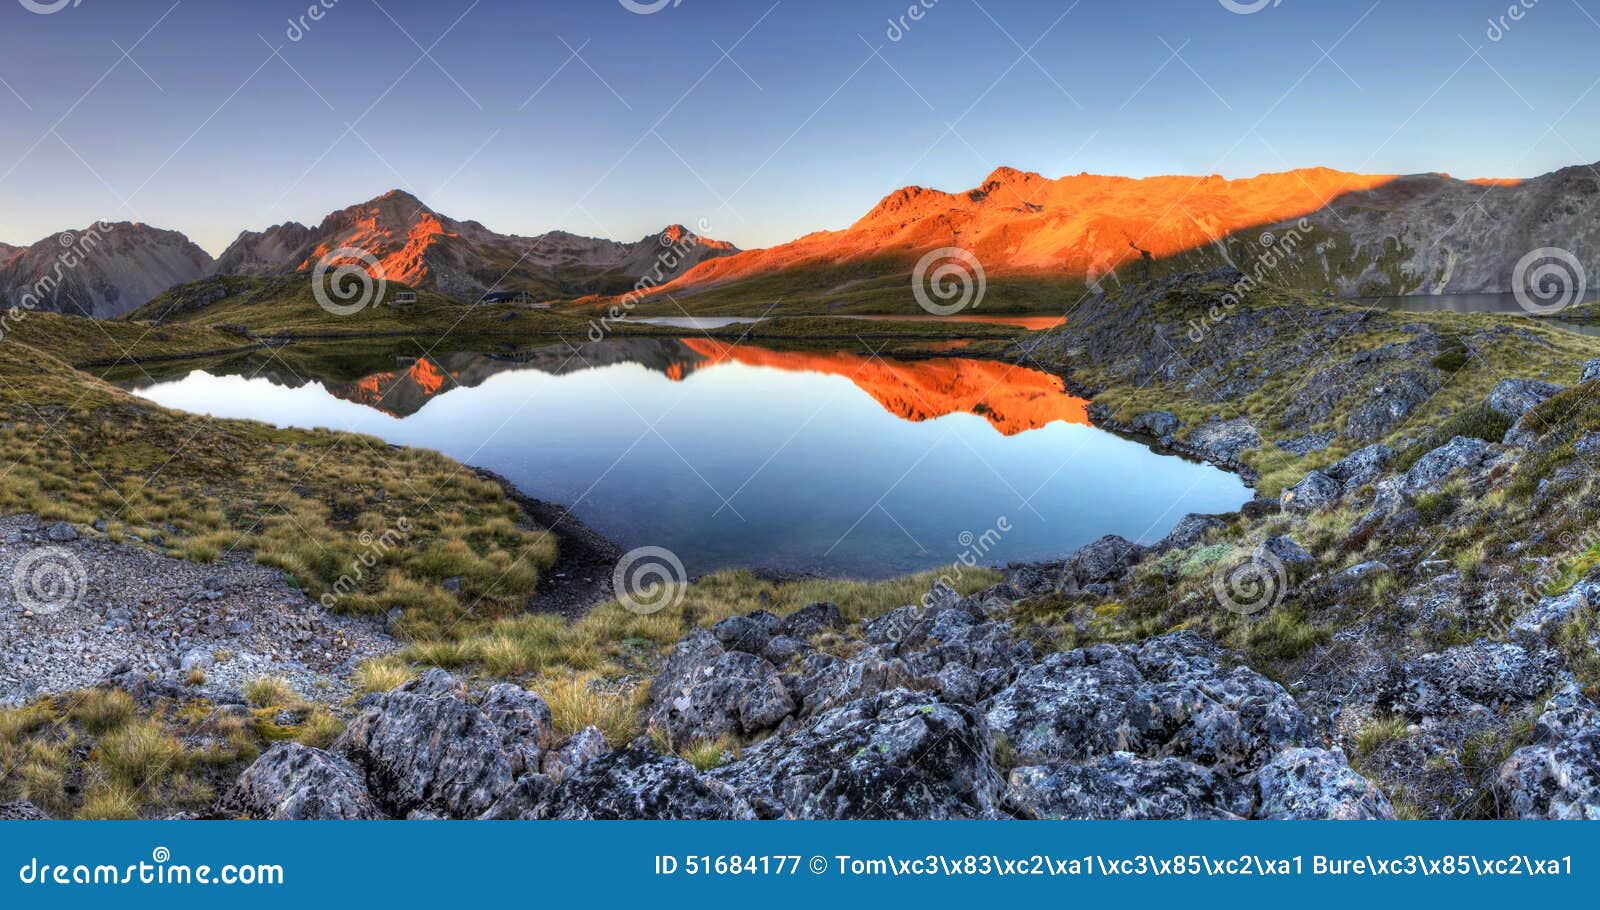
<point x="789" y="864"/>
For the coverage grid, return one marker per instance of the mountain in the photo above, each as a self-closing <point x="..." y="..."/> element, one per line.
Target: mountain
<point x="418" y="246"/>
<point x="104" y="271"/>
<point x="7" y="251"/>
<point x="1366" y="234"/>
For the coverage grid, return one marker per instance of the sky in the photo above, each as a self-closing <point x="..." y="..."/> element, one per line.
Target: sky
<point x="756" y="121"/>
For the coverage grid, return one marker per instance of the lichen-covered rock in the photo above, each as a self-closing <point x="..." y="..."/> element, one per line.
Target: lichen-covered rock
<point x="21" y="812"/>
<point x="1122" y="786"/>
<point x="1515" y="397"/>
<point x="898" y="755"/>
<point x="1190" y="530"/>
<point x="1285" y="551"/>
<point x="1591" y="371"/>
<point x="578" y="750"/>
<point x="1103" y="562"/>
<point x="1540" y="624"/>
<point x="1222" y="441"/>
<point x="1313" y="492"/>
<point x="521" y="802"/>
<point x="1301" y="783"/>
<point x="637" y="783"/>
<point x="424" y="747"/>
<point x="749" y="633"/>
<point x="1558" y="777"/>
<point x="704" y="692"/>
<point x="1160" y="425"/>
<point x="1450" y="683"/>
<point x="525" y="723"/>
<point x="291" y="782"/>
<point x="1463" y="453"/>
<point x="814" y="619"/>
<point x="1361" y="467"/>
<point x="1388" y="405"/>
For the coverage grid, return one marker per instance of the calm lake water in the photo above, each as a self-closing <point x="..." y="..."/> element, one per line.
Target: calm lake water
<point x="742" y="456"/>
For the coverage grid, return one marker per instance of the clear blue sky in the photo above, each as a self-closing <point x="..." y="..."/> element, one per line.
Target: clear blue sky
<point x="203" y="131"/>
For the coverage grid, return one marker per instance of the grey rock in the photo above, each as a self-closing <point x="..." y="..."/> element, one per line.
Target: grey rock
<point x="1190" y="530"/>
<point x="1301" y="783"/>
<point x="521" y="802"/>
<point x="1311" y="442"/>
<point x="1591" y="371"/>
<point x="1285" y="550"/>
<point x="1539" y="624"/>
<point x="749" y="633"/>
<point x="636" y="783"/>
<point x="1121" y="786"/>
<point x="21" y="812"/>
<point x="524" y="721"/>
<point x="196" y="659"/>
<point x="61" y="532"/>
<point x="1103" y="562"/>
<point x="1515" y="397"/>
<point x="898" y="755"/>
<point x="1160" y="425"/>
<point x="1361" y="467"/>
<point x="813" y="619"/>
<point x="1364" y="570"/>
<point x="1588" y="446"/>
<point x="1463" y="453"/>
<point x="1558" y="777"/>
<point x="704" y="692"/>
<point x="1223" y="440"/>
<point x="1313" y="492"/>
<point x="291" y="782"/>
<point x="1451" y="683"/>
<point x="1390" y="403"/>
<point x="579" y="749"/>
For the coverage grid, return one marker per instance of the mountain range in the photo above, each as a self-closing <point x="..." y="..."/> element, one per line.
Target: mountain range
<point x="1036" y="238"/>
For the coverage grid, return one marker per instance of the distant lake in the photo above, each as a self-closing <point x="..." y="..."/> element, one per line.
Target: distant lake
<point x="825" y="462"/>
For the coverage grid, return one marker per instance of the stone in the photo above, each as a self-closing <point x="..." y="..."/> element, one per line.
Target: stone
<point x="576" y="751"/>
<point x="897" y="755"/>
<point x="521" y="802"/>
<point x="1361" y="467"/>
<point x="1285" y="551"/>
<point x="292" y="782"/>
<point x="1588" y="446"/>
<point x="1222" y="441"/>
<point x="1538" y="626"/>
<point x="1313" y="492"/>
<point x="61" y="532"/>
<point x="1454" y="682"/>
<point x="21" y="812"/>
<point x="1159" y="425"/>
<point x="1515" y="397"/>
<point x="524" y="721"/>
<point x="1558" y="777"/>
<point x="1103" y="562"/>
<point x="704" y="692"/>
<point x="1120" y="786"/>
<point x="196" y="659"/>
<point x="749" y="633"/>
<point x="1191" y="530"/>
<point x="814" y="619"/>
<point x="637" y="783"/>
<point x="1302" y="783"/>
<point x="1311" y="442"/>
<point x="1389" y="404"/>
<point x="1463" y="453"/>
<point x="1591" y="371"/>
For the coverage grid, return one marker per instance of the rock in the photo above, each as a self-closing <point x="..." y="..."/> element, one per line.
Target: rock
<point x="521" y="802"/>
<point x="1451" y="683"/>
<point x="704" y="692"/>
<point x="61" y="532"/>
<point x="748" y="633"/>
<point x="1361" y="467"/>
<point x="1283" y="550"/>
<point x="898" y="755"/>
<point x="1364" y="570"/>
<point x="1313" y="492"/>
<point x="1431" y="471"/>
<point x="1538" y="626"/>
<point x="1515" y="397"/>
<point x="1190" y="530"/>
<point x="1558" y="777"/>
<point x="21" y="812"/>
<point x="1159" y="425"/>
<point x="1311" y="442"/>
<point x="812" y="620"/>
<point x="424" y="747"/>
<point x="1121" y="786"/>
<point x="1588" y="446"/>
<point x="1168" y="696"/>
<point x="1302" y="783"/>
<point x="1591" y="371"/>
<point x="578" y="749"/>
<point x="636" y="783"/>
<point x="1103" y="562"/>
<point x="196" y="659"/>
<point x="1222" y="441"/>
<point x="525" y="724"/>
<point x="1391" y="402"/>
<point x="1260" y="507"/>
<point x="292" y="782"/>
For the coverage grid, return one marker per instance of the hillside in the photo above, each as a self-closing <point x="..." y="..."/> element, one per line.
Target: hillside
<point x="103" y="271"/>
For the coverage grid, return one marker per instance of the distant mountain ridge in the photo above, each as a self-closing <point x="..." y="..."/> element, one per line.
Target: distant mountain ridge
<point x="102" y="271"/>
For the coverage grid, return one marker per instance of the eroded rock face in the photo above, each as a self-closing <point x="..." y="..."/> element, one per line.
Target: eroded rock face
<point x="21" y="812"/>
<point x="1558" y="777"/>
<point x="1223" y="441"/>
<point x="897" y="755"/>
<point x="1304" y="783"/>
<point x="1450" y="683"/>
<point x="704" y="692"/>
<point x="423" y="747"/>
<point x="637" y="783"/>
<point x="1122" y="786"/>
<point x="291" y="782"/>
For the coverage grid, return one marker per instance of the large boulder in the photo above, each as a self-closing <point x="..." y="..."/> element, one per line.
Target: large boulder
<point x="1222" y="441"/>
<point x="1283" y="550"/>
<point x="1123" y="786"/>
<point x="1591" y="371"/>
<point x="898" y="755"/>
<point x="1301" y="783"/>
<point x="638" y="783"/>
<point x="1190" y="530"/>
<point x="1158" y="425"/>
<point x="1558" y="777"/>
<point x="812" y="620"/>
<point x="424" y="748"/>
<point x="1452" y="683"/>
<point x="525" y="723"/>
<point x="291" y="782"/>
<point x="1390" y="402"/>
<point x="1103" y="562"/>
<point x="1463" y="453"/>
<point x="1515" y="397"/>
<point x="1361" y="467"/>
<point x="577" y="750"/>
<point x="704" y="692"/>
<point x="1313" y="492"/>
